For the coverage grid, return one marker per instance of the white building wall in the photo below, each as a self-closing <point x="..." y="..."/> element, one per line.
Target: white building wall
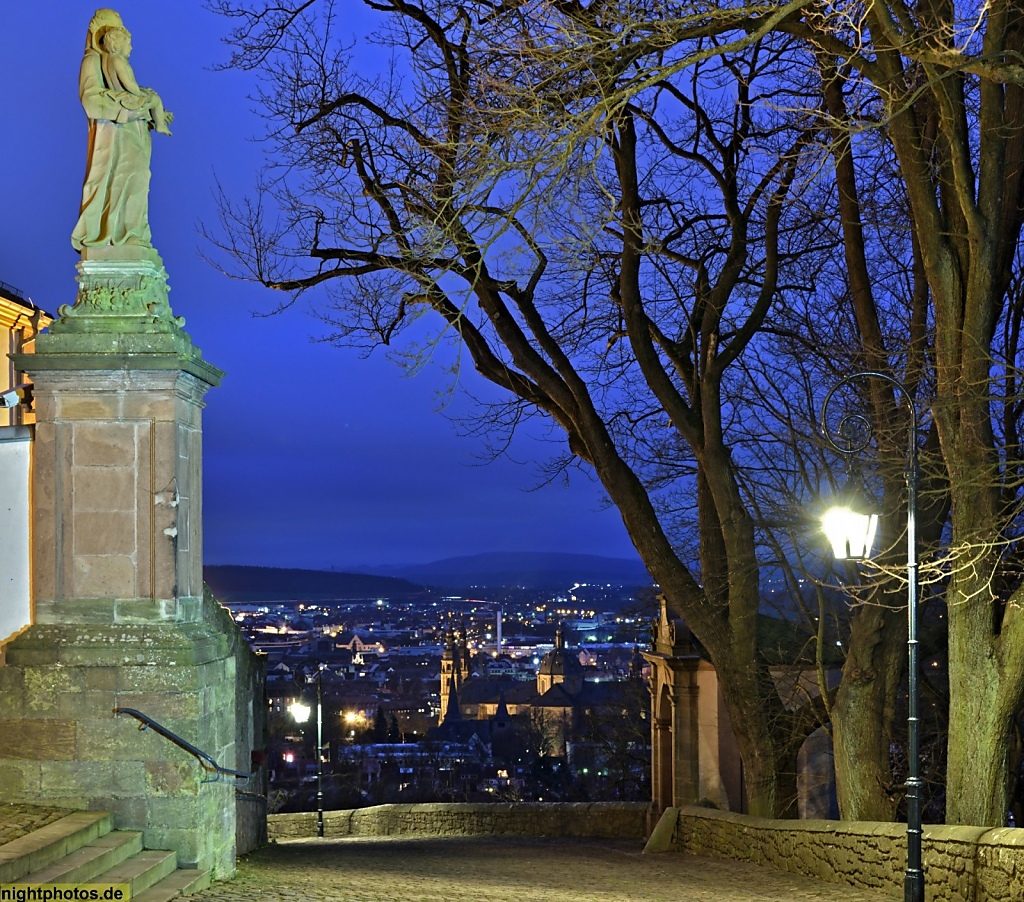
<point x="15" y="596"/>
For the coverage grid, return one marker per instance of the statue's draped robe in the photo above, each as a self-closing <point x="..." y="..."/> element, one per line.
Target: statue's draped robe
<point x="115" y="197"/>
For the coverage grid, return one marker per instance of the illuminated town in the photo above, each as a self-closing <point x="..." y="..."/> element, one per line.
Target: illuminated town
<point x="513" y="694"/>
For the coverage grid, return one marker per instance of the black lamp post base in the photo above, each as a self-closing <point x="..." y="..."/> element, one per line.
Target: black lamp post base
<point x="913" y="886"/>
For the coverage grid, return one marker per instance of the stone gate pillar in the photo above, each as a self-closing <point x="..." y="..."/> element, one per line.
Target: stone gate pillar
<point x="675" y="759"/>
<point x="686" y="759"/>
<point x="693" y="755"/>
<point x="119" y="614"/>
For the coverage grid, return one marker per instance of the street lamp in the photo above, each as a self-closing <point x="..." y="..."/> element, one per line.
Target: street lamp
<point x="301" y="714"/>
<point x="851" y="531"/>
<point x="850" y="525"/>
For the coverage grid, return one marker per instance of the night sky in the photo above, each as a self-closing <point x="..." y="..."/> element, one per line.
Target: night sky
<point x="314" y="457"/>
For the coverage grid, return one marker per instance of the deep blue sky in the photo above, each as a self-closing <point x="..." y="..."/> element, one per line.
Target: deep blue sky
<point x="313" y="457"/>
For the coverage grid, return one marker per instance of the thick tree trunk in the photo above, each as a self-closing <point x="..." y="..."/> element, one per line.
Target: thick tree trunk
<point x="982" y="692"/>
<point x="728" y="633"/>
<point x="863" y="712"/>
<point x="767" y="748"/>
<point x="977" y="775"/>
<point x="958" y="239"/>
<point x="985" y="677"/>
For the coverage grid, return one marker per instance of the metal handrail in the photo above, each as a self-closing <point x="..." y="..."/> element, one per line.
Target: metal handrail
<point x="250" y="796"/>
<point x="14" y="293"/>
<point x="207" y="761"/>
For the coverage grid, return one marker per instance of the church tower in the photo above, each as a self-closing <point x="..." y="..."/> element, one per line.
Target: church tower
<point x="455" y="669"/>
<point x="451" y="675"/>
<point x="463" y="655"/>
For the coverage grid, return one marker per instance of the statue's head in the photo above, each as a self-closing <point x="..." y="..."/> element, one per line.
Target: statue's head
<point x="117" y="39"/>
<point x="104" y="17"/>
<point x="101" y="20"/>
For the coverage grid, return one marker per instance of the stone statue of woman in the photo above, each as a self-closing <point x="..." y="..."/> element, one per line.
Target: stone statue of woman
<point x="115" y="196"/>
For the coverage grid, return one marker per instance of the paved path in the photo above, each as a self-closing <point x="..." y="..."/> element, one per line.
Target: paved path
<point x="508" y="870"/>
<point x="18" y="820"/>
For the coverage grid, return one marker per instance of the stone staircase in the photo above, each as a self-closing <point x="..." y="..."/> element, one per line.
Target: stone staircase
<point x="84" y="848"/>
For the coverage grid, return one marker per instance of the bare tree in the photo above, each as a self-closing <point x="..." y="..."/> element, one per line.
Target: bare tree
<point x="942" y="82"/>
<point x="956" y="126"/>
<point x="609" y="281"/>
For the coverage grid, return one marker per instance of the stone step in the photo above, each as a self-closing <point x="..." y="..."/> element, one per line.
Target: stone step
<point x="87" y="862"/>
<point x="141" y="871"/>
<point x="182" y="882"/>
<point x="48" y="844"/>
<point x="82" y="848"/>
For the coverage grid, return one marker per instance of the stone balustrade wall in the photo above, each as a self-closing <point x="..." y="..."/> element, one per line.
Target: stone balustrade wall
<point x="961" y="864"/>
<point x="611" y="820"/>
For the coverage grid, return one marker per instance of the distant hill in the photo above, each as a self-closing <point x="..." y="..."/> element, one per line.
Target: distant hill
<point x="540" y="569"/>
<point x="240" y="583"/>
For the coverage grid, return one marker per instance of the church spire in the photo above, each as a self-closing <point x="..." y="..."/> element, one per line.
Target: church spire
<point x="452" y="713"/>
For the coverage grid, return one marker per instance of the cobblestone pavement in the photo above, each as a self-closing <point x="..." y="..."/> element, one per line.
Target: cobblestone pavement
<point x="508" y="870"/>
<point x="17" y="820"/>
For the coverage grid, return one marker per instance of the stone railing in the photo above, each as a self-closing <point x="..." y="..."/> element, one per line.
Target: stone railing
<point x="961" y="864"/>
<point x="610" y="820"/>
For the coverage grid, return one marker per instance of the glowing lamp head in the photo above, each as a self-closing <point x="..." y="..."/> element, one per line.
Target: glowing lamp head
<point x="850" y="527"/>
<point x="299" y="712"/>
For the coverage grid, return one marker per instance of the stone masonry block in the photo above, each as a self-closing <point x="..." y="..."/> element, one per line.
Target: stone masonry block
<point x="164" y="575"/>
<point x="40" y="740"/>
<point x="178" y="811"/>
<point x="138" y="611"/>
<point x="129" y="779"/>
<point x="126" y="647"/>
<point x="12" y="692"/>
<point x="182" y="708"/>
<point x="210" y="648"/>
<point x="98" y="656"/>
<point x="168" y="779"/>
<point x="29" y="655"/>
<point x="149" y="405"/>
<point x="77" y="784"/>
<point x="44" y="535"/>
<point x="219" y="733"/>
<point x="187" y="609"/>
<point x="188" y="844"/>
<point x="106" y="533"/>
<point x="106" y="575"/>
<point x="81" y="611"/>
<point x="100" y="613"/>
<point x="19" y="779"/>
<point x="219" y="693"/>
<point x="102" y="677"/>
<point x="117" y="738"/>
<point x="88" y="407"/>
<point x="44" y="451"/>
<point x="128" y="812"/>
<point x="104" y="444"/>
<point x="45" y="685"/>
<point x="104" y="488"/>
<point x="166" y="456"/>
<point x="155" y="678"/>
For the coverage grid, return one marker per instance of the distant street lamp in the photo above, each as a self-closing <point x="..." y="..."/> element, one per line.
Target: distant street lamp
<point x="301" y="714"/>
<point x="850" y="528"/>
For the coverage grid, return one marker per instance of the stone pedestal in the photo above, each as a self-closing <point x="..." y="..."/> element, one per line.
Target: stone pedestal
<point x="119" y="614"/>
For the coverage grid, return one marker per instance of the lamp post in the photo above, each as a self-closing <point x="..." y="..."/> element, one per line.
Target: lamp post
<point x="851" y="533"/>
<point x="301" y="714"/>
